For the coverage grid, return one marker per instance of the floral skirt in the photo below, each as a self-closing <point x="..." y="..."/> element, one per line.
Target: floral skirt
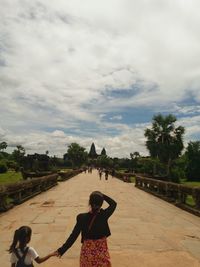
<point x="94" y="253"/>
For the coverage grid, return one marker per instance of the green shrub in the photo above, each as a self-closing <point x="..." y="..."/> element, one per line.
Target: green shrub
<point x="3" y="167"/>
<point x="145" y="165"/>
<point x="176" y="174"/>
<point x="11" y="164"/>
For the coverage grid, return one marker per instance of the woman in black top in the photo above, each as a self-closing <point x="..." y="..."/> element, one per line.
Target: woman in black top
<point x="94" y="230"/>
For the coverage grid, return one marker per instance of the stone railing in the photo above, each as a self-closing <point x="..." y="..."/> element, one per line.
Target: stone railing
<point x="171" y="192"/>
<point x="16" y="193"/>
<point x="69" y="174"/>
<point x="27" y="175"/>
<point x="123" y="176"/>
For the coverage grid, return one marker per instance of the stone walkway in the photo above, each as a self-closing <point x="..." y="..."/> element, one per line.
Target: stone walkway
<point x="146" y="231"/>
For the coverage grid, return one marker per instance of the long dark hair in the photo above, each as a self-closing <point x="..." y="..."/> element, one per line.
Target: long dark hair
<point x="96" y="201"/>
<point x="21" y="237"/>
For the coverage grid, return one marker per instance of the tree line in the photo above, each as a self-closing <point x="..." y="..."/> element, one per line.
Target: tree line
<point x="168" y="159"/>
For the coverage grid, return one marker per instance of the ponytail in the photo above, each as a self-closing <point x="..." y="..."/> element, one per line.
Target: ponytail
<point x="15" y="241"/>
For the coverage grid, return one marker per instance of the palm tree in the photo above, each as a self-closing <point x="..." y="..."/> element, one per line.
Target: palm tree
<point x="164" y="140"/>
<point x="135" y="155"/>
<point x="134" y="158"/>
<point x="3" y="145"/>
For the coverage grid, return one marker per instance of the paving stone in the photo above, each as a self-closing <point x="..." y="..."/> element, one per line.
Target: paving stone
<point x="146" y="231"/>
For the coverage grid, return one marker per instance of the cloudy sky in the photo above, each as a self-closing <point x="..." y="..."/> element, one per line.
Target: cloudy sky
<point x="97" y="71"/>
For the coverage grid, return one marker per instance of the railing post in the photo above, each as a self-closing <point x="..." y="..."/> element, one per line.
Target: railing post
<point x="196" y="196"/>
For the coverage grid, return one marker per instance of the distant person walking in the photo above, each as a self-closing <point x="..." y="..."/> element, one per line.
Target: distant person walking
<point x="113" y="173"/>
<point x="106" y="174"/>
<point x="21" y="254"/>
<point x="94" y="230"/>
<point x="100" y="174"/>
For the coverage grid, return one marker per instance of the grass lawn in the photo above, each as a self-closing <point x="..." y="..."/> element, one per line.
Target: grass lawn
<point x="10" y="177"/>
<point x="121" y="170"/>
<point x="65" y="170"/>
<point x="132" y="178"/>
<point x="190" y="201"/>
<point x="190" y="183"/>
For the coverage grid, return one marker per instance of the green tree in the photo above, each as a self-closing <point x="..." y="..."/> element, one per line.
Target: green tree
<point x="76" y="154"/>
<point x="116" y="163"/>
<point x="134" y="159"/>
<point x="104" y="161"/>
<point x="92" y="154"/>
<point x="178" y="169"/>
<point x="164" y="140"/>
<point x="18" y="154"/>
<point x="3" y="145"/>
<point x="193" y="161"/>
<point x="135" y="155"/>
<point x="147" y="165"/>
<point x="124" y="163"/>
<point x="3" y="166"/>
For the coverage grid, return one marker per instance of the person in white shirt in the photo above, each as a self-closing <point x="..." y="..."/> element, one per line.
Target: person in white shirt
<point x="21" y="254"/>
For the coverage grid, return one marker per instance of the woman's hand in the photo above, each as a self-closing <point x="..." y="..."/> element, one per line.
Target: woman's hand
<point x="54" y="254"/>
<point x="58" y="254"/>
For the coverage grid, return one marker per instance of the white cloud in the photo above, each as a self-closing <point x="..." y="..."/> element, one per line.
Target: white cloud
<point x="60" y="62"/>
<point x="59" y="134"/>
<point x="192" y="126"/>
<point x="117" y="117"/>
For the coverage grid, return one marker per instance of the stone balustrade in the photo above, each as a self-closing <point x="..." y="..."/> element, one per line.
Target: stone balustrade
<point x="172" y="192"/>
<point x="16" y="193"/>
<point x="123" y="176"/>
<point x="69" y="174"/>
<point x="26" y="175"/>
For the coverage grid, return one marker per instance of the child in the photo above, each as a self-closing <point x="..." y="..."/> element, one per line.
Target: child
<point x="21" y="254"/>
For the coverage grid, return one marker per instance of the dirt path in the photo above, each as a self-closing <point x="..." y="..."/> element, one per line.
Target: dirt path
<point x="146" y="231"/>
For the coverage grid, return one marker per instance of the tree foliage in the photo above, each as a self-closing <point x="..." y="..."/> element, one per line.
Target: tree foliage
<point x="134" y="159"/>
<point x="135" y="155"/>
<point x="104" y="161"/>
<point x="3" y="145"/>
<point x="18" y="154"/>
<point x="193" y="161"/>
<point x="164" y="140"/>
<point x="76" y="154"/>
<point x="3" y="167"/>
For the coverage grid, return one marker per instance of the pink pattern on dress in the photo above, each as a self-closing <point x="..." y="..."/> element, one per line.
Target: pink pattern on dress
<point x="94" y="253"/>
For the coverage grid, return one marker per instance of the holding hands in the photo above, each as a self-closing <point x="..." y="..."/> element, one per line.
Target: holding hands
<point x="55" y="254"/>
